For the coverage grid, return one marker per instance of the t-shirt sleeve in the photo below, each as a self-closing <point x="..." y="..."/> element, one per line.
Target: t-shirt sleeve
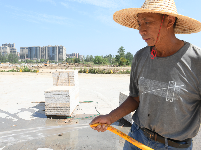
<point x="133" y="87"/>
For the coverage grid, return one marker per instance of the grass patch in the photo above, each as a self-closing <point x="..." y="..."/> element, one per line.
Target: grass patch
<point x="103" y="71"/>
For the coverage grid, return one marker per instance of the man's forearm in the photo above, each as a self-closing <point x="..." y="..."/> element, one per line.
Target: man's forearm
<point x="128" y="106"/>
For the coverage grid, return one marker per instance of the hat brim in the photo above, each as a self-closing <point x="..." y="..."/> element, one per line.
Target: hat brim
<point x="128" y="17"/>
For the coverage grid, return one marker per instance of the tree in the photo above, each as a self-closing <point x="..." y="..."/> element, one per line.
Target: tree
<point x="87" y="59"/>
<point x="117" y="59"/>
<point x="76" y="60"/>
<point x="91" y="58"/>
<point x="42" y="60"/>
<point x="12" y="58"/>
<point x="3" y="58"/>
<point x="98" y="60"/>
<point x="69" y="60"/>
<point x="129" y="57"/>
<point x="108" y="58"/>
<point x="121" y="52"/>
<point x="122" y="61"/>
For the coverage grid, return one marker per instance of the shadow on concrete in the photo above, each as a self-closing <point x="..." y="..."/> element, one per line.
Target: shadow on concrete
<point x="41" y="110"/>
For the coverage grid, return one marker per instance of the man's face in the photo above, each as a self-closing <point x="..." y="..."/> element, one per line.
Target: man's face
<point x="149" y="25"/>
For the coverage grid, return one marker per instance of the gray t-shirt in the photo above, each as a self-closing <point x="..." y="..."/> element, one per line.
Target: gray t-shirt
<point x="169" y="89"/>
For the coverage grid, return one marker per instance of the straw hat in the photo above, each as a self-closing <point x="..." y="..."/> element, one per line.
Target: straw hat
<point x="185" y="25"/>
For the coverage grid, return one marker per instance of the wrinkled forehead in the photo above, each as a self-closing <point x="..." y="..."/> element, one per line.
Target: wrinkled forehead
<point x="145" y="16"/>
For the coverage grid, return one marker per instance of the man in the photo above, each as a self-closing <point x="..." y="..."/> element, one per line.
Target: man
<point x="165" y="87"/>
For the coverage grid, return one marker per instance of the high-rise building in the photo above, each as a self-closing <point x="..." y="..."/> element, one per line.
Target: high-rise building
<point x="72" y="55"/>
<point x="4" y="50"/>
<point x="55" y="53"/>
<point x="44" y="52"/>
<point x="34" y="52"/>
<point x="62" y="52"/>
<point x="7" y="49"/>
<point x="75" y="55"/>
<point x="24" y="52"/>
<point x="9" y="45"/>
<point x="52" y="53"/>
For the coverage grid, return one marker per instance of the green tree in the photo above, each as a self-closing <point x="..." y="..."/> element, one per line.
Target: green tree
<point x="122" y="61"/>
<point x="12" y="58"/>
<point x="76" y="60"/>
<point x="117" y="59"/>
<point x="109" y="58"/>
<point x="3" y="58"/>
<point x="129" y="57"/>
<point x="42" y="60"/>
<point x="69" y="60"/>
<point x="91" y="58"/>
<point x="121" y="52"/>
<point x="98" y="60"/>
<point x="87" y="59"/>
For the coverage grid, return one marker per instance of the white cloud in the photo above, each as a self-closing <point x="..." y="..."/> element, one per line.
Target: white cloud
<point x="64" y="4"/>
<point x="36" y="17"/>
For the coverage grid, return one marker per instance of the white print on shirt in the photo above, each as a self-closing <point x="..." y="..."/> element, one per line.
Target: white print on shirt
<point x="168" y="90"/>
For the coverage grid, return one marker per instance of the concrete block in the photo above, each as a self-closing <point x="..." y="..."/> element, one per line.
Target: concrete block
<point x="61" y="100"/>
<point x="122" y="97"/>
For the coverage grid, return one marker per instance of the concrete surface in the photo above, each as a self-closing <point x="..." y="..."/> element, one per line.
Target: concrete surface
<point x="23" y="124"/>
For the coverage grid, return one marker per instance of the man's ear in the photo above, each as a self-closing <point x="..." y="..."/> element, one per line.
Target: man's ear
<point x="171" y="20"/>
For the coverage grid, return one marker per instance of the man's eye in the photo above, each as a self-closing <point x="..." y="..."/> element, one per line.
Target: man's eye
<point x="147" y="22"/>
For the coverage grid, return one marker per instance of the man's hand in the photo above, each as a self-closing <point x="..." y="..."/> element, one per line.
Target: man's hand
<point x="102" y="119"/>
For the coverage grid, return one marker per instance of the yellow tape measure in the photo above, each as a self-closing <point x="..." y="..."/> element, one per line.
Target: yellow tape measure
<point x="123" y="135"/>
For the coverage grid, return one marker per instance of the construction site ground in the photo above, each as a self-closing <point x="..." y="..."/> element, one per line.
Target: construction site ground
<point x="24" y="125"/>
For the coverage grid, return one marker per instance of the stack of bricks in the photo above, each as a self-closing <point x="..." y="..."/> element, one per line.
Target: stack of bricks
<point x="122" y="97"/>
<point x="63" y="97"/>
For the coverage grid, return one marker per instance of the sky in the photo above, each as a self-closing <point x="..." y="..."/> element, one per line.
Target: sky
<point x="82" y="26"/>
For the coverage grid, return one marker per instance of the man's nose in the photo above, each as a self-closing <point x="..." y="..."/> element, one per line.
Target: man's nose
<point x="142" y="30"/>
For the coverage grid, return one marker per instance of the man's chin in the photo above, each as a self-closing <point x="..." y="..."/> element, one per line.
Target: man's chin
<point x="150" y="44"/>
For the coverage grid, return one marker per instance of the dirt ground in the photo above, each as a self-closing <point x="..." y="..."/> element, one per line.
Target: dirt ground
<point x="24" y="125"/>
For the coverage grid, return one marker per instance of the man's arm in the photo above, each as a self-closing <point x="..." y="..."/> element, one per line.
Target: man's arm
<point x="128" y="106"/>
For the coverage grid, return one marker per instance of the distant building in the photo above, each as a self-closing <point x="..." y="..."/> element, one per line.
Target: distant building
<point x="4" y="50"/>
<point x="72" y="55"/>
<point x="9" y="45"/>
<point x="76" y="55"/>
<point x="44" y="52"/>
<point x="7" y="49"/>
<point x="23" y="52"/>
<point x="55" y="53"/>
<point x="62" y="52"/>
<point x="34" y="52"/>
